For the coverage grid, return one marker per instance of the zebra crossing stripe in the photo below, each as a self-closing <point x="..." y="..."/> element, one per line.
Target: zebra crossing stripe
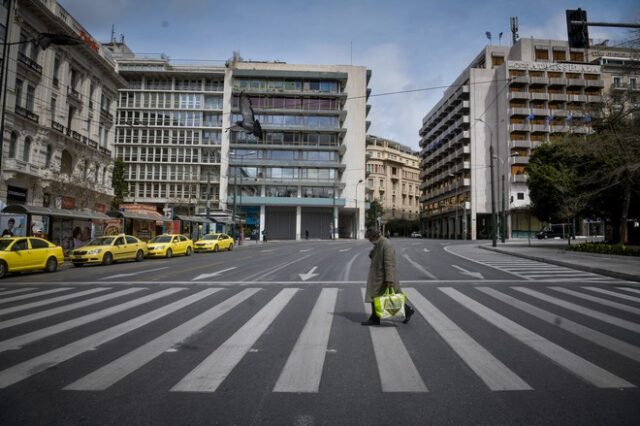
<point x="51" y="301"/>
<point x="610" y="319"/>
<point x="19" y="341"/>
<point x="397" y="371"/>
<point x="496" y="375"/>
<point x="211" y="372"/>
<point x="303" y="369"/>
<point x="613" y="293"/>
<point x="115" y="371"/>
<point x="40" y="363"/>
<point x="632" y="290"/>
<point x="54" y="311"/>
<point x="568" y="360"/>
<point x="32" y="295"/>
<point x="20" y="290"/>
<point x="621" y="347"/>
<point x="598" y="300"/>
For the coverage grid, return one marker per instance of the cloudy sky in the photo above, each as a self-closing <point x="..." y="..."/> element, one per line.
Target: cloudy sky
<point x="408" y="44"/>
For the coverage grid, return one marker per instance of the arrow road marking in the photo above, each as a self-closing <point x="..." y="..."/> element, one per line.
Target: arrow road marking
<point x="463" y="271"/>
<point x="133" y="273"/>
<point x="343" y="250"/>
<point x="419" y="267"/>
<point x="309" y="274"/>
<point x="426" y="250"/>
<point x="305" y="250"/>
<point x="213" y="274"/>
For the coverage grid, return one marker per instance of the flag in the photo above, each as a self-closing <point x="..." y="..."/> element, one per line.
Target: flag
<point x="488" y="34"/>
<point x="530" y="117"/>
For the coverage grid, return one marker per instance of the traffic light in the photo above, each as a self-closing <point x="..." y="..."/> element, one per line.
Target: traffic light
<point x="577" y="30"/>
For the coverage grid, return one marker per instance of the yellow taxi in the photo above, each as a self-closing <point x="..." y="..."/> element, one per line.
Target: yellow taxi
<point x="214" y="242"/>
<point x="168" y="245"/>
<point x="28" y="253"/>
<point x="108" y="249"/>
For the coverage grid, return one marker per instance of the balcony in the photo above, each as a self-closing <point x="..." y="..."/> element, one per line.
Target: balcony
<point x="594" y="83"/>
<point x="574" y="82"/>
<point x="518" y="111"/>
<point x="518" y="160"/>
<point x="576" y="98"/>
<point x="594" y="99"/>
<point x="15" y="165"/>
<point x="519" y="144"/>
<point x="27" y="114"/>
<point x="539" y="128"/>
<point x="558" y="97"/>
<point x="540" y="112"/>
<point x="518" y="95"/>
<point x="557" y="81"/>
<point x="74" y="95"/>
<point x="519" y="80"/>
<point x="538" y="81"/>
<point x="28" y="63"/>
<point x="542" y="96"/>
<point x="106" y="115"/>
<point x="519" y="178"/>
<point x="57" y="126"/>
<point x="518" y="127"/>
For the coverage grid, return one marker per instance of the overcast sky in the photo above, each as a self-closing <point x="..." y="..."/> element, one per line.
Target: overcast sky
<point x="408" y="44"/>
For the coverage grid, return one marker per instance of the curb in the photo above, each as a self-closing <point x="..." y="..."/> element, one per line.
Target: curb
<point x="605" y="272"/>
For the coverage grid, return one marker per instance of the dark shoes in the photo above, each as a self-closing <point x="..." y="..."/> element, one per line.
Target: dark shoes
<point x="408" y="312"/>
<point x="373" y="320"/>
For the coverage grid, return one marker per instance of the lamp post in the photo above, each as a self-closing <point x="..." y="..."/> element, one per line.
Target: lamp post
<point x="357" y="210"/>
<point x="43" y="40"/>
<point x="493" y="196"/>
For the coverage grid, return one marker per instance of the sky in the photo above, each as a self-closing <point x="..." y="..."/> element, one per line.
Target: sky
<point x="407" y="44"/>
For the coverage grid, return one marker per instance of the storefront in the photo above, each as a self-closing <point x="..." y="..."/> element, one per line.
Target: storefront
<point x="67" y="228"/>
<point x="139" y="222"/>
<point x="192" y="226"/>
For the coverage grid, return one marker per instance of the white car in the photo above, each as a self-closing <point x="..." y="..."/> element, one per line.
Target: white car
<point x="416" y="234"/>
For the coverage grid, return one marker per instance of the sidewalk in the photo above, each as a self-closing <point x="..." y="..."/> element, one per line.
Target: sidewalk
<point x="554" y="252"/>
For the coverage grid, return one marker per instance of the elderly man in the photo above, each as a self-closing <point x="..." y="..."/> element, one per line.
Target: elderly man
<point x="382" y="273"/>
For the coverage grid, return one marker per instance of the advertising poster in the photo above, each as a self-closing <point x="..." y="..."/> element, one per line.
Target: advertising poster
<point x="112" y="227"/>
<point x="13" y="225"/>
<point x="39" y="226"/>
<point x="81" y="233"/>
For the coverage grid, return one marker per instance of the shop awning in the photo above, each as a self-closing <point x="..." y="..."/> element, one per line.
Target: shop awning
<point x="222" y="219"/>
<point x="138" y="215"/>
<point x="196" y="219"/>
<point x="48" y="211"/>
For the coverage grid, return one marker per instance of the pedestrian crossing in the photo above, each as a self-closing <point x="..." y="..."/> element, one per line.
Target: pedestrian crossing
<point x="587" y="333"/>
<point x="523" y="268"/>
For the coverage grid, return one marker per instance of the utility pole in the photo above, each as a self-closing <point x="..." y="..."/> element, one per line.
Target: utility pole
<point x="493" y="200"/>
<point x="504" y="216"/>
<point x="209" y="200"/>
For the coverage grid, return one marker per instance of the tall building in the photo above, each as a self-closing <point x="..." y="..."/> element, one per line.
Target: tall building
<point x="509" y="100"/>
<point x="301" y="176"/>
<point x="58" y="128"/>
<point x="393" y="178"/>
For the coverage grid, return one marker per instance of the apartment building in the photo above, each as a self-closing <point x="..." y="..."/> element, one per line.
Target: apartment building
<point x="509" y="100"/>
<point x="172" y="133"/>
<point x="393" y="178"/>
<point x="58" y="126"/>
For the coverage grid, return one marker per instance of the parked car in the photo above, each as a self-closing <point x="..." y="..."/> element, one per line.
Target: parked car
<point x="416" y="235"/>
<point x="28" y="253"/>
<point x="555" y="231"/>
<point x="109" y="249"/>
<point x="168" y="245"/>
<point x="214" y="242"/>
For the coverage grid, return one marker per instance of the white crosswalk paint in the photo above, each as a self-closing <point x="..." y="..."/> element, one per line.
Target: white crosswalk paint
<point x="20" y="290"/>
<point x="632" y="290"/>
<point x="604" y="340"/>
<point x="397" y="371"/>
<point x="55" y="311"/>
<point x="51" y="301"/>
<point x="211" y="372"/>
<point x="581" y="309"/>
<point x="613" y="294"/>
<point x="568" y="360"/>
<point x="496" y="375"/>
<point x="32" y="295"/>
<point x="598" y="300"/>
<point x="115" y="371"/>
<point x="19" y="341"/>
<point x="303" y="369"/>
<point x="40" y="363"/>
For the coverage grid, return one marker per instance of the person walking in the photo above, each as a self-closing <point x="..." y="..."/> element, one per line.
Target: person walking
<point x="382" y="274"/>
<point x="264" y="235"/>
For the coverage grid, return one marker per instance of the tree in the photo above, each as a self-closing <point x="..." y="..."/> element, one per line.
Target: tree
<point x="373" y="213"/>
<point x="120" y="188"/>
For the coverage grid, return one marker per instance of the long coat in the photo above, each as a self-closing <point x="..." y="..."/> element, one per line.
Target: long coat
<point x="382" y="269"/>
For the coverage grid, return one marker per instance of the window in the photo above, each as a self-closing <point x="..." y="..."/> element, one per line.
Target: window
<point x="13" y="144"/>
<point x="617" y="81"/>
<point x="26" y="154"/>
<point x="31" y="95"/>
<point x="56" y="71"/>
<point x="633" y="83"/>
<point x="559" y="55"/>
<point x="20" y="245"/>
<point x="48" y="155"/>
<point x="38" y="244"/>
<point x="53" y="108"/>
<point x="520" y="195"/>
<point x="119" y="241"/>
<point x="18" y="92"/>
<point x="542" y="54"/>
<point x="577" y="56"/>
<point x="131" y="240"/>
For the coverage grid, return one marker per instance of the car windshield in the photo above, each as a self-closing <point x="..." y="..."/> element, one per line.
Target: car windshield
<point x="4" y="243"/>
<point x="210" y="237"/>
<point x="102" y="241"/>
<point x="161" y="239"/>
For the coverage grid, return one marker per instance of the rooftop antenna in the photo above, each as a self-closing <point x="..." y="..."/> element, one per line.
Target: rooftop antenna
<point x="514" y="29"/>
<point x="121" y="38"/>
<point x="113" y="34"/>
<point x="500" y="39"/>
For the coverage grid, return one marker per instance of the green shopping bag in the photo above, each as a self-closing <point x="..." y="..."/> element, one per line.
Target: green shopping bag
<point x="390" y="305"/>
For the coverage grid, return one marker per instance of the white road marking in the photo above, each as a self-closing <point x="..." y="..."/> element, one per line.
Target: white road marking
<point x="397" y="371"/>
<point x="211" y="372"/>
<point x="476" y="275"/>
<point x="131" y="274"/>
<point x="19" y="341"/>
<point x="51" y="301"/>
<point x="344" y="250"/>
<point x="613" y="294"/>
<point x="606" y="341"/>
<point x="274" y="269"/>
<point x="115" y="371"/>
<point x="310" y="274"/>
<point x="32" y="295"/>
<point x="426" y="250"/>
<point x="20" y="290"/>
<point x="305" y="250"/>
<point x="496" y="375"/>
<point x="213" y="274"/>
<point x="419" y="267"/>
<point x="303" y="369"/>
<point x="632" y="290"/>
<point x="580" y="367"/>
<point x="598" y="300"/>
<point x="347" y="268"/>
<point x="40" y="363"/>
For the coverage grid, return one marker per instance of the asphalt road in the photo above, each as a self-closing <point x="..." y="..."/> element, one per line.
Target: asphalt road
<point x="270" y="334"/>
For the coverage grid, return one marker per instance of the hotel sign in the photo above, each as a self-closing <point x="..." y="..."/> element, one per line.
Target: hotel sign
<point x="552" y="66"/>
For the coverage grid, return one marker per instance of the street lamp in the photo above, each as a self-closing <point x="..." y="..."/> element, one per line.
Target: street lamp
<point x="493" y="196"/>
<point x="357" y="210"/>
<point x="43" y="40"/>
<point x="235" y="186"/>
